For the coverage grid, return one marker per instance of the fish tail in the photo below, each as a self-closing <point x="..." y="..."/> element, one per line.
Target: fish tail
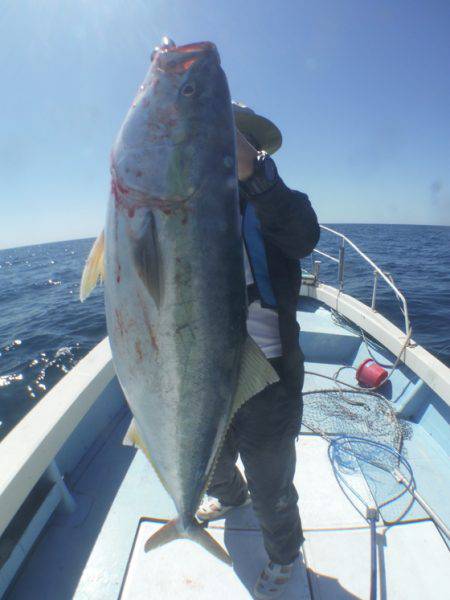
<point x="173" y="530"/>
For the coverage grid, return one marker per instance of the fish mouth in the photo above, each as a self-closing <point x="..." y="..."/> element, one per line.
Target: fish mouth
<point x="195" y="47"/>
<point x="179" y="59"/>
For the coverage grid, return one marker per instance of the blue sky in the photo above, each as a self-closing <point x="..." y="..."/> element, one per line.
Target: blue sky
<point x="359" y="88"/>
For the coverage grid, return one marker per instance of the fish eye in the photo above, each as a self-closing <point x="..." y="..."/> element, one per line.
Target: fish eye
<point x="188" y="89"/>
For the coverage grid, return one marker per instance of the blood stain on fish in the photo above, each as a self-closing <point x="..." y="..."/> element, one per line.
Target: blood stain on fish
<point x="138" y="348"/>
<point x="118" y="188"/>
<point x="148" y="325"/>
<point x="153" y="339"/>
<point x="120" y="323"/>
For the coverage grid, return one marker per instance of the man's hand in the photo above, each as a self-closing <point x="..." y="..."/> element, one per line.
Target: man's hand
<point x="245" y="154"/>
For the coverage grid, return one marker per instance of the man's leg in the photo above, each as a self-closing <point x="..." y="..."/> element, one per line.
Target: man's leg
<point x="267" y="426"/>
<point x="227" y="484"/>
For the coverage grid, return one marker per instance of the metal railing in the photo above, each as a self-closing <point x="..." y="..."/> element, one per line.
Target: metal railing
<point x="377" y="272"/>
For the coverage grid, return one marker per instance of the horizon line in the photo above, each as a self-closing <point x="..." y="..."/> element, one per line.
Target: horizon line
<point x="88" y="237"/>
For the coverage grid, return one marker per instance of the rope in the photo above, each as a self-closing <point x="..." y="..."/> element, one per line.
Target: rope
<point x="346" y="324"/>
<point x="367" y="389"/>
<point x="385" y="453"/>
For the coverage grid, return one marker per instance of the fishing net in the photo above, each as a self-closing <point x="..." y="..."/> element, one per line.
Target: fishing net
<point x="373" y="475"/>
<point x="340" y="411"/>
<point x="366" y="440"/>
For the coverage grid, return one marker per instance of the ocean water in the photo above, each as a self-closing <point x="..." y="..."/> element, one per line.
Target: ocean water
<point x="45" y="330"/>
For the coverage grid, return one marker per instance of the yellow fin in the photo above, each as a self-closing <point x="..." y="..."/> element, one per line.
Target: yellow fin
<point x="134" y="438"/>
<point x="255" y="374"/>
<point x="94" y="268"/>
<point x="173" y="531"/>
<point x="131" y="437"/>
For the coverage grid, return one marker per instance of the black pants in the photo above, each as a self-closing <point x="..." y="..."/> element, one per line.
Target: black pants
<point x="263" y="432"/>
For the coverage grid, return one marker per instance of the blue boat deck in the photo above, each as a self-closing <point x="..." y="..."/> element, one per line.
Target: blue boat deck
<point x="85" y="554"/>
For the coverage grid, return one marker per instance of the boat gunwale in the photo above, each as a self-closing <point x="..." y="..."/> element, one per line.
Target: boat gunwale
<point x="31" y="446"/>
<point x="426" y="366"/>
<point x="27" y="451"/>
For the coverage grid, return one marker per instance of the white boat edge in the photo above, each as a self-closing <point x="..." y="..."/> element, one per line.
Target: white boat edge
<point x="28" y="450"/>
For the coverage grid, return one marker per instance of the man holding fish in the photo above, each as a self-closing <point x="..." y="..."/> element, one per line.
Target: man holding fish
<point x="279" y="227"/>
<point x="202" y="326"/>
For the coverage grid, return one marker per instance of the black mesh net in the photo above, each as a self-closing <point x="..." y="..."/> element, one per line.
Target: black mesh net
<point x="366" y="414"/>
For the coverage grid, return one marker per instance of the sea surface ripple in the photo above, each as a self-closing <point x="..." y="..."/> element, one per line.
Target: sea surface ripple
<point x="45" y="330"/>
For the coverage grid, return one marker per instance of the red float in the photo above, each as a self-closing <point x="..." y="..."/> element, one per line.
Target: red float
<point x="370" y="373"/>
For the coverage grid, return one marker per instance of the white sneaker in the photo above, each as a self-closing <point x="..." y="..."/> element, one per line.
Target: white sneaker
<point x="211" y="509"/>
<point x="272" y="581"/>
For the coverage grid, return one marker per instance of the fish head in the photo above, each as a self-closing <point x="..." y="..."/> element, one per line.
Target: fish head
<point x="178" y="130"/>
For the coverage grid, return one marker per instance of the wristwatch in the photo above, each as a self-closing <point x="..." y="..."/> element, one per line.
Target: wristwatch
<point x="264" y="177"/>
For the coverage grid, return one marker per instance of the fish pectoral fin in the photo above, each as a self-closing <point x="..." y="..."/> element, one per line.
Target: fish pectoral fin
<point x="94" y="268"/>
<point x="172" y="531"/>
<point x="255" y="374"/>
<point x="147" y="258"/>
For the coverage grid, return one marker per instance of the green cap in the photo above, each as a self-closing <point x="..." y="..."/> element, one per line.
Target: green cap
<point x="258" y="129"/>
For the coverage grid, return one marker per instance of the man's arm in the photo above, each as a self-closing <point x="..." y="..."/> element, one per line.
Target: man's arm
<point x="287" y="218"/>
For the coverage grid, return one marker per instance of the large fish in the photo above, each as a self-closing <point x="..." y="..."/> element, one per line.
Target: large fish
<point x="172" y="259"/>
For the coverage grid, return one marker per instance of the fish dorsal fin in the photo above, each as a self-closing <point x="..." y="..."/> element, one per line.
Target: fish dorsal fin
<point x="255" y="374"/>
<point x="94" y="268"/>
